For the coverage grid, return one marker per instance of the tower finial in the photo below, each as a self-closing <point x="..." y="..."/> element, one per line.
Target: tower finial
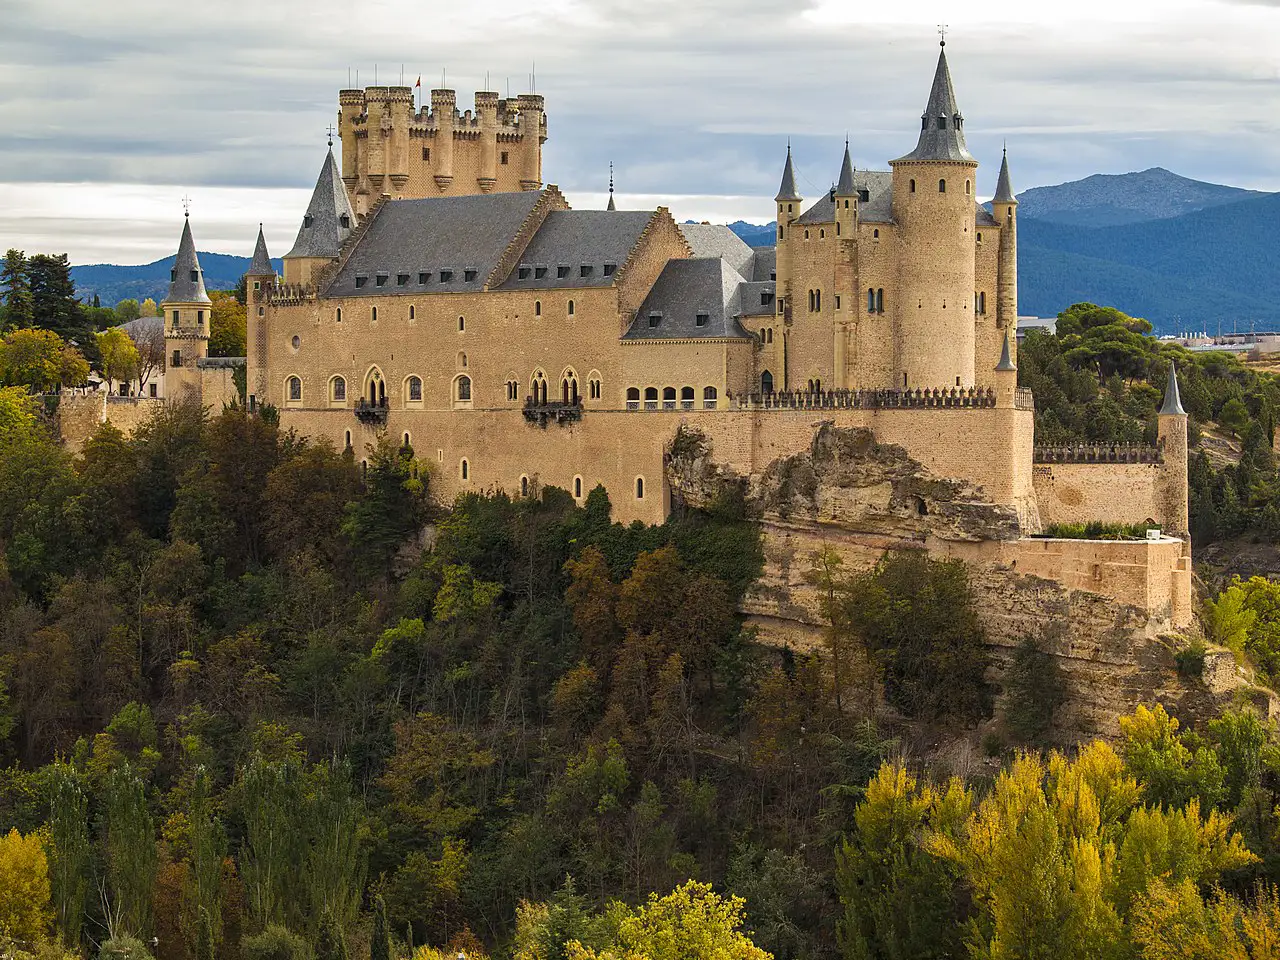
<point x="611" y="204"/>
<point x="942" y="34"/>
<point x="330" y="131"/>
<point x="186" y="206"/>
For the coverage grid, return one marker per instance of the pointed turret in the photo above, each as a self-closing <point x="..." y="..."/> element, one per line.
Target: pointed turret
<point x="787" y="190"/>
<point x="1004" y="189"/>
<point x="261" y="263"/>
<point x="1172" y="399"/>
<point x="611" y="206"/>
<point x="844" y="186"/>
<point x="942" y="125"/>
<point x="1006" y="359"/>
<point x="329" y="219"/>
<point x="186" y="279"/>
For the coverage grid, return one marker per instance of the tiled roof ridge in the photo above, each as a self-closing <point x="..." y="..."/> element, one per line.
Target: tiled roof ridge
<point x="551" y="199"/>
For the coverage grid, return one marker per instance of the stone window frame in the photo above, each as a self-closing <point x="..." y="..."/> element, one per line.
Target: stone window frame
<point x="338" y="390"/>
<point x="407" y="388"/>
<point x="293" y="397"/>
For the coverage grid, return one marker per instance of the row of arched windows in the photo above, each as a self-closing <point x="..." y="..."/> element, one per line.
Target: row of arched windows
<point x="375" y="391"/>
<point x="685" y="399"/>
<point x="942" y="186"/>
<point x="537" y="308"/>
<point x="413" y="315"/>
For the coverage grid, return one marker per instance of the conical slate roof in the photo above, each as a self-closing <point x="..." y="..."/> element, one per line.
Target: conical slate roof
<point x="787" y="191"/>
<point x="186" y="279"/>
<point x="329" y="219"/>
<point x="1004" y="189"/>
<point x="942" y="126"/>
<point x="261" y="265"/>
<point x="844" y="186"/>
<point x="1006" y="358"/>
<point x="1172" y="399"/>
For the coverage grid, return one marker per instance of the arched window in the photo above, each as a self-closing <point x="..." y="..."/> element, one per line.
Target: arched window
<point x="338" y="389"/>
<point x="462" y="361"/>
<point x="414" y="392"/>
<point x="913" y="186"/>
<point x="817" y="301"/>
<point x="811" y="301"/>
<point x="871" y="300"/>
<point x="639" y="488"/>
<point x="464" y="469"/>
<point x="822" y="234"/>
<point x="411" y="312"/>
<point x="462" y="388"/>
<point x="968" y="188"/>
<point x="709" y="398"/>
<point x="539" y="394"/>
<point x="595" y="386"/>
<point x="339" y="315"/>
<point x="769" y="334"/>
<point x="295" y="389"/>
<point x="577" y="488"/>
<point x="537" y="308"/>
<point x="766" y="382"/>
<point x="462" y="324"/>
<point x="806" y="234"/>
<point x="880" y="300"/>
<point x="347" y="446"/>
<point x="633" y="398"/>
<point x="406" y="444"/>
<point x="668" y="398"/>
<point x="875" y="234"/>
<point x="376" y="388"/>
<point x="780" y="236"/>
<point x="513" y="390"/>
<point x="651" y="398"/>
<point x="571" y="308"/>
<point x="374" y="316"/>
<point x="942" y="186"/>
<point x="569" y="387"/>
<point x="686" y="398"/>
<point x="524" y="486"/>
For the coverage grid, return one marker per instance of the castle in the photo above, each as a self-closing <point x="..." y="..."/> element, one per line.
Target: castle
<point x="439" y="293"/>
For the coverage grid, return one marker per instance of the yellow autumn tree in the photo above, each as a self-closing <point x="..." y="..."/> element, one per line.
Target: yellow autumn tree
<point x="692" y="922"/>
<point x="25" y="909"/>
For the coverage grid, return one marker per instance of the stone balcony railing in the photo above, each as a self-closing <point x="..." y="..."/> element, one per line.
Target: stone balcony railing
<point x="1099" y="453"/>
<point x="367" y="412"/>
<point x="553" y="411"/>
<point x="947" y="397"/>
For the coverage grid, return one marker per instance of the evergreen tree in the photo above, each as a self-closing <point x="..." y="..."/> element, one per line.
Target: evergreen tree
<point x="330" y="945"/>
<point x="54" y="303"/>
<point x="380" y="938"/>
<point x="14" y="277"/>
<point x="204" y="936"/>
<point x="69" y="851"/>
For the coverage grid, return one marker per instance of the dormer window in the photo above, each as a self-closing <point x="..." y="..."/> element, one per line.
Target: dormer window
<point x="446" y="276"/>
<point x="585" y="270"/>
<point x="361" y="281"/>
<point x="701" y="319"/>
<point x="942" y="123"/>
<point x="195" y="275"/>
<point x="468" y="276"/>
<point x="381" y="279"/>
<point x="523" y="273"/>
<point x="424" y="277"/>
<point x="609" y="269"/>
<point x="173" y="275"/>
<point x="401" y="279"/>
<point x="539" y="272"/>
<point x="765" y="298"/>
<point x="562" y="271"/>
<point x="345" y="222"/>
<point x="959" y="121"/>
<point x="306" y="220"/>
<point x="654" y="320"/>
<point x="864" y="195"/>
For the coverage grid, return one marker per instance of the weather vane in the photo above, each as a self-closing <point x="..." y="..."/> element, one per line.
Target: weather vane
<point x="331" y="134"/>
<point x="942" y="34"/>
<point x="186" y="206"/>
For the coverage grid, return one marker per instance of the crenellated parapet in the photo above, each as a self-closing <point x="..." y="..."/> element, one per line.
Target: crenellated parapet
<point x="956" y="398"/>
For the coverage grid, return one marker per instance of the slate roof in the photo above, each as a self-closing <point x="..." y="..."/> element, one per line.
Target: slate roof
<point x="144" y="328"/>
<point x="787" y="190"/>
<point x="186" y="279"/>
<point x="577" y="239"/>
<point x="684" y="289"/>
<point x="750" y="295"/>
<point x="261" y="263"/>
<point x="460" y="237"/>
<point x="717" y="240"/>
<point x="984" y="218"/>
<point x="844" y="186"/>
<point x="1172" y="399"/>
<point x="322" y="232"/>
<point x="1004" y="189"/>
<point x="765" y="266"/>
<point x="822" y="211"/>
<point x="947" y="142"/>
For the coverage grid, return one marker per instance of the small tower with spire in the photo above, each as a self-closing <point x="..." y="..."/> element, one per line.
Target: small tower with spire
<point x="846" y="197"/>
<point x="326" y="225"/>
<point x="1004" y="207"/>
<point x="187" y="313"/>
<point x="260" y="278"/>
<point x="1006" y="376"/>
<point x="934" y="206"/>
<point x="1171" y="433"/>
<point x="788" y="201"/>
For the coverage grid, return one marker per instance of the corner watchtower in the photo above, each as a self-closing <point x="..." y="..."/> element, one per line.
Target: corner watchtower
<point x="934" y="207"/>
<point x="788" y="201"/>
<point x="1004" y="207"/>
<point x="1171" y="431"/>
<point x="186" y="311"/>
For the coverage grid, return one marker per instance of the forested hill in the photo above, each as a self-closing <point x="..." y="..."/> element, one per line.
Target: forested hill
<point x="114" y="283"/>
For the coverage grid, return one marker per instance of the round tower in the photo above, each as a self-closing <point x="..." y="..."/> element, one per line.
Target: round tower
<point x="788" y="201"/>
<point x="487" y="111"/>
<point x="1171" y="431"/>
<point x="532" y="132"/>
<point x="444" y="107"/>
<point x="350" y="118"/>
<point x="933" y="206"/>
<point x="1004" y="207"/>
<point x="187" y="312"/>
<point x="399" y="110"/>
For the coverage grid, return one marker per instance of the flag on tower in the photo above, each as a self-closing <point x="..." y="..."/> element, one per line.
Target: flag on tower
<point x="419" y="83"/>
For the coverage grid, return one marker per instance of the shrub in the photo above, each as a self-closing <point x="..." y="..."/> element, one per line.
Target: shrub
<point x="275" y="943"/>
<point x="1190" y="660"/>
<point x="1036" y="688"/>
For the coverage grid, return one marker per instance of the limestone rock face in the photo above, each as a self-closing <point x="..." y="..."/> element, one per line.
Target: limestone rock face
<point x="863" y="498"/>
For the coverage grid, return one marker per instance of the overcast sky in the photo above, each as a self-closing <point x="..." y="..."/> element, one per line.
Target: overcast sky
<point x="113" y="110"/>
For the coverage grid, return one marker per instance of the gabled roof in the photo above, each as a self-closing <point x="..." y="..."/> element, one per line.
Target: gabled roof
<point x="942" y="125"/>
<point x="186" y="279"/>
<point x="261" y="263"/>
<point x="585" y="241"/>
<point x="823" y="210"/>
<point x="787" y="190"/>
<point x="1004" y="189"/>
<point x="329" y="219"/>
<point x="444" y="239"/>
<point x="717" y="240"/>
<point x="844" y="186"/>
<point x="685" y="289"/>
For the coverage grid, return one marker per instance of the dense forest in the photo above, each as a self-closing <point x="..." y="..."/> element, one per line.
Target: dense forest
<point x="255" y="704"/>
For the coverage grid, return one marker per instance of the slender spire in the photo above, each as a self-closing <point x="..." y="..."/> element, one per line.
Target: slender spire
<point x="1006" y="358"/>
<point x="787" y="191"/>
<point x="261" y="264"/>
<point x="942" y="124"/>
<point x="186" y="279"/>
<point x="1172" y="399"/>
<point x="329" y="219"/>
<point x="611" y="206"/>
<point x="1004" y="189"/>
<point x="844" y="186"/>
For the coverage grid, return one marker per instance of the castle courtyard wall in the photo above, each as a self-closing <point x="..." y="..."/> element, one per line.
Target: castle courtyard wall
<point x="1105" y="492"/>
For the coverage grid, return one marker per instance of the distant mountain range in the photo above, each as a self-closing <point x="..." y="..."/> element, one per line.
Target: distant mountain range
<point x="1182" y="253"/>
<point x="113" y="284"/>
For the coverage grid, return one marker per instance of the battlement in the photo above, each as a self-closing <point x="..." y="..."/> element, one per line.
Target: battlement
<point x="1100" y="453"/>
<point x="441" y="105"/>
<point x="285" y="294"/>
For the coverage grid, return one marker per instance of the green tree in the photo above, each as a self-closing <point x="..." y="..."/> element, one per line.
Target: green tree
<point x="120" y="359"/>
<point x="69" y="850"/>
<point x="39" y="360"/>
<point x="392" y="507"/>
<point x="55" y="305"/>
<point x="24" y="888"/>
<point x="380" y="937"/>
<point x="1035" y="688"/>
<point x="1234" y="416"/>
<point x="127" y="310"/>
<point x="131" y="860"/>
<point x="17" y="414"/>
<point x="1171" y="772"/>
<point x="16" y="282"/>
<point x="275" y="840"/>
<point x="226" y="325"/>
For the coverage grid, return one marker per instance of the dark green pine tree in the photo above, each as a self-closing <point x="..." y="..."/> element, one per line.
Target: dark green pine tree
<point x="54" y="303"/>
<point x="204" y="937"/>
<point x="330" y="945"/>
<point x="380" y="938"/>
<point x="17" y="291"/>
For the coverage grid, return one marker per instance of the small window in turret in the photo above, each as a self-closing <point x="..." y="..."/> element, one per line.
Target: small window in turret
<point x="306" y="220"/>
<point x="942" y="186"/>
<point x="195" y="276"/>
<point x="426" y="153"/>
<point x="942" y="123"/>
<point x="504" y="157"/>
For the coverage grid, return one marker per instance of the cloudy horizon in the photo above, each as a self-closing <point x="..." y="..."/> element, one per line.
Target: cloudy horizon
<point x="115" y="111"/>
